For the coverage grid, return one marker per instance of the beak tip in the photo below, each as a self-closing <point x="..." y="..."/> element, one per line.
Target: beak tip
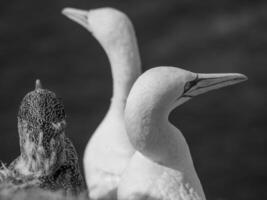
<point x="76" y="15"/>
<point x="66" y="11"/>
<point x="245" y="78"/>
<point x="63" y="11"/>
<point x="242" y="77"/>
<point x="38" y="84"/>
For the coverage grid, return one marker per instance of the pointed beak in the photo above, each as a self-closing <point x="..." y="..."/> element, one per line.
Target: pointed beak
<point x="38" y="84"/>
<point x="207" y="82"/>
<point x="77" y="15"/>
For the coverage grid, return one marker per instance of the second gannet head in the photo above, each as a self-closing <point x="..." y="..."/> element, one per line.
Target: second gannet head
<point x="103" y="23"/>
<point x="156" y="93"/>
<point x="115" y="32"/>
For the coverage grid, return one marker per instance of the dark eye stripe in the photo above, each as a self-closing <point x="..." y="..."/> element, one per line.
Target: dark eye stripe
<point x="190" y="84"/>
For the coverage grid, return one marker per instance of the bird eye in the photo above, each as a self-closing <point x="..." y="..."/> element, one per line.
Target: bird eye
<point x="190" y="84"/>
<point x="187" y="86"/>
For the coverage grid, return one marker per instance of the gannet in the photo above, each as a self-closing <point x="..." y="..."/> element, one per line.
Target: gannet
<point x="48" y="159"/>
<point x="109" y="149"/>
<point x="162" y="167"/>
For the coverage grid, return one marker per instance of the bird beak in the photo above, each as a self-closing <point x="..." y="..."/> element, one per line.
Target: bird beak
<point x="38" y="84"/>
<point x="207" y="82"/>
<point x="77" y="15"/>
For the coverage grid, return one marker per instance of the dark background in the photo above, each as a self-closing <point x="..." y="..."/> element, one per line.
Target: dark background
<point x="225" y="129"/>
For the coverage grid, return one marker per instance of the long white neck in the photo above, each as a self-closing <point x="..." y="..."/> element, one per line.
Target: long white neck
<point x="156" y="138"/>
<point x="125" y="67"/>
<point x="123" y="54"/>
<point x="152" y="134"/>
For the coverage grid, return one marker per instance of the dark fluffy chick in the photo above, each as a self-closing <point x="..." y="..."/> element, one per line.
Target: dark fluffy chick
<point x="48" y="159"/>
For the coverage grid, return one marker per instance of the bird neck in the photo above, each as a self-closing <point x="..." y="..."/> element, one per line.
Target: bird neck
<point x="161" y="142"/>
<point x="144" y="122"/>
<point x="154" y="136"/>
<point x="124" y="58"/>
<point x="118" y="104"/>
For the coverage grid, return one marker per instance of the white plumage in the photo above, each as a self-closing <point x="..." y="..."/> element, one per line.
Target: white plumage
<point x="162" y="167"/>
<point x="109" y="150"/>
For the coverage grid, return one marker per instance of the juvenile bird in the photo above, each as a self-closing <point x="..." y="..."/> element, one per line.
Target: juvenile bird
<point x="162" y="167"/>
<point x="48" y="159"/>
<point x="109" y="150"/>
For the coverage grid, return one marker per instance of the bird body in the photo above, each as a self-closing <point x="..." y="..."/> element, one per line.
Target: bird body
<point x="162" y="167"/>
<point x="109" y="150"/>
<point x="112" y="156"/>
<point x="150" y="180"/>
<point x="48" y="158"/>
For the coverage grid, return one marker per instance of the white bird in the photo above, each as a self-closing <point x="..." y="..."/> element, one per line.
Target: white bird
<point x="109" y="149"/>
<point x="162" y="167"/>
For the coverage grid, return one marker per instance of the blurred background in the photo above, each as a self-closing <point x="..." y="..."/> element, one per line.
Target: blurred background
<point x="225" y="129"/>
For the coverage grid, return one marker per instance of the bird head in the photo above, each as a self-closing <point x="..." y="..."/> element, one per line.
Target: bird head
<point x="41" y="125"/>
<point x="174" y="86"/>
<point x="108" y="25"/>
<point x="159" y="90"/>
